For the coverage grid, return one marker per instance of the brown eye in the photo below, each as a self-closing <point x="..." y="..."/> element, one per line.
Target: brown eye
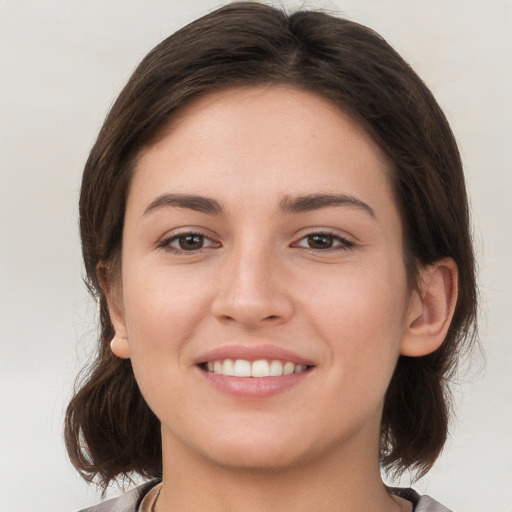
<point x="324" y="242"/>
<point x="191" y="242"/>
<point x="184" y="243"/>
<point x="320" y="241"/>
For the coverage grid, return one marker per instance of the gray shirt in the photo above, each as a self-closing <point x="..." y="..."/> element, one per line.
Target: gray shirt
<point x="130" y="501"/>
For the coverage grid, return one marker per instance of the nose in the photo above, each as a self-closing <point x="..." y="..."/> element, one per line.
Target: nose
<point x="253" y="291"/>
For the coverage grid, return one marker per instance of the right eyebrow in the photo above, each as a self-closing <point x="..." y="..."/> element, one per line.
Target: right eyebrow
<point x="317" y="201"/>
<point x="192" y="202"/>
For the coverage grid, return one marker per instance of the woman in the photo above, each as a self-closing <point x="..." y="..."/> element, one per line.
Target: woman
<point x="274" y="220"/>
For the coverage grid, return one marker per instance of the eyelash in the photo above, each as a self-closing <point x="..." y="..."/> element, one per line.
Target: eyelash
<point x="342" y="243"/>
<point x="166" y="243"/>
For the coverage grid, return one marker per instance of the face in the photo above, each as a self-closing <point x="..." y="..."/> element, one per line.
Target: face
<point x="263" y="291"/>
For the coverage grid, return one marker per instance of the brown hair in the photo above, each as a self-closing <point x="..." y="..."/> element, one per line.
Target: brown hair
<point x="110" y="430"/>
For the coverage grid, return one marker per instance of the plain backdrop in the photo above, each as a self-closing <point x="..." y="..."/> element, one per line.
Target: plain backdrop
<point x="62" y="63"/>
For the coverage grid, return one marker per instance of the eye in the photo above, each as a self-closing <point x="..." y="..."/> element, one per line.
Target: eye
<point x="324" y="242"/>
<point x="187" y="243"/>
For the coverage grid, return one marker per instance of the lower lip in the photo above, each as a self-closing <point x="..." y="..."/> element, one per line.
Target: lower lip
<point x="253" y="387"/>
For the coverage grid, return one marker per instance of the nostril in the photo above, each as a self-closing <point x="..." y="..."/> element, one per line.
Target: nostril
<point x="251" y="310"/>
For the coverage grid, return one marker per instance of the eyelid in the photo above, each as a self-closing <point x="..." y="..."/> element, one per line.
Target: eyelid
<point x="345" y="241"/>
<point x="165" y="241"/>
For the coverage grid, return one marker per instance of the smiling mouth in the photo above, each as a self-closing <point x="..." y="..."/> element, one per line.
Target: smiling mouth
<point x="260" y="368"/>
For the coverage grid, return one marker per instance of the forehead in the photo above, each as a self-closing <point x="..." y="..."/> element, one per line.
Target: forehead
<point x="257" y="108"/>
<point x="262" y="139"/>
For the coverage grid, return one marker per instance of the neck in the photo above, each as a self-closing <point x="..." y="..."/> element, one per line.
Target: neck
<point x="331" y="483"/>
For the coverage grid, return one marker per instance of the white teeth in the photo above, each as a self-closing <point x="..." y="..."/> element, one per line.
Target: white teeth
<point x="242" y="368"/>
<point x="228" y="367"/>
<point x="258" y="368"/>
<point x="276" y="368"/>
<point x="288" y="368"/>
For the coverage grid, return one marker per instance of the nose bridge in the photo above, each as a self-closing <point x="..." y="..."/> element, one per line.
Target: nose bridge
<point x="250" y="289"/>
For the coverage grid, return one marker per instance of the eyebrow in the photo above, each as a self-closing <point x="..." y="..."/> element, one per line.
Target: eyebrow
<point x="289" y="204"/>
<point x="197" y="203"/>
<point x="317" y="201"/>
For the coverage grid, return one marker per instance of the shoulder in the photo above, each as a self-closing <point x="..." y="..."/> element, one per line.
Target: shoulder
<point x="427" y="504"/>
<point x="127" y="502"/>
<point x="420" y="503"/>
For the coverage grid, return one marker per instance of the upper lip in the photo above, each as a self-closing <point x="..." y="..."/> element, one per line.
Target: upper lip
<point x="252" y="353"/>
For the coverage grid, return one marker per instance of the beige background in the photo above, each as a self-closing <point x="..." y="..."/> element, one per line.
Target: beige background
<point x="62" y="62"/>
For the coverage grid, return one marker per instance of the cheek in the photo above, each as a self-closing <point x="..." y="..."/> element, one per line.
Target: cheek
<point x="163" y="307"/>
<point x="360" y="315"/>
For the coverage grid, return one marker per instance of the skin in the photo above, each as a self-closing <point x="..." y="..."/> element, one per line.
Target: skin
<point x="255" y="279"/>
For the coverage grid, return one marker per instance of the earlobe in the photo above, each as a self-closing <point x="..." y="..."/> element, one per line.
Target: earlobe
<point x="120" y="347"/>
<point x="432" y="309"/>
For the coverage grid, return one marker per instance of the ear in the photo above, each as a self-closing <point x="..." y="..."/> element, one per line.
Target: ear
<point x="431" y="309"/>
<point x="112" y="291"/>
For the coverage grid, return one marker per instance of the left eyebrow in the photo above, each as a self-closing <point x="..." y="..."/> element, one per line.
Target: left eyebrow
<point x="317" y="201"/>
<point x="192" y="202"/>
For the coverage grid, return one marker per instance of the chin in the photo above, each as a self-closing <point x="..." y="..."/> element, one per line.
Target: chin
<point x="260" y="450"/>
<point x="243" y="447"/>
<point x="257" y="459"/>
